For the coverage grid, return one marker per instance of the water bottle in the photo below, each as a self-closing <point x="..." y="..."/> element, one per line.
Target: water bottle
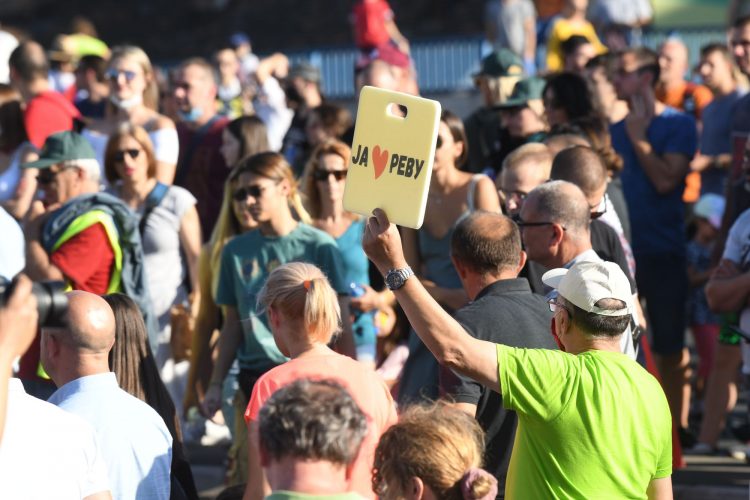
<point x="356" y="290"/>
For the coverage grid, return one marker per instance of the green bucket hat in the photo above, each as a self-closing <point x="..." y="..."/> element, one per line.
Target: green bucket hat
<point x="528" y="89"/>
<point x="60" y="147"/>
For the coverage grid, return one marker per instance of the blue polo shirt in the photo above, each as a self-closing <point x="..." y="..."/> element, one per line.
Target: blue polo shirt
<point x="135" y="442"/>
<point x="657" y="219"/>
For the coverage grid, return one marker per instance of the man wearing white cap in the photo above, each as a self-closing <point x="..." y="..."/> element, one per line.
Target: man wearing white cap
<point x="582" y="431"/>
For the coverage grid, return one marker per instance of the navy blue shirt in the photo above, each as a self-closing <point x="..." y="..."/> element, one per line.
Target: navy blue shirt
<point x="657" y="219"/>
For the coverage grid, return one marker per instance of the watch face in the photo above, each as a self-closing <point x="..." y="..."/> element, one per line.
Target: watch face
<point x="394" y="280"/>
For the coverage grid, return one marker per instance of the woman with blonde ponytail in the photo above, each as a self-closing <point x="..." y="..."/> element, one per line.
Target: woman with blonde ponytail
<point x="304" y="315"/>
<point x="268" y="190"/>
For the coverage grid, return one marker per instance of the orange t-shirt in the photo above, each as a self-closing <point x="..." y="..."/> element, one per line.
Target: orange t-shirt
<point x="366" y="387"/>
<point x="677" y="97"/>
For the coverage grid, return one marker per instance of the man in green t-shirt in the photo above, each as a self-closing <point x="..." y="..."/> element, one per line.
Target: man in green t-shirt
<point x="592" y="422"/>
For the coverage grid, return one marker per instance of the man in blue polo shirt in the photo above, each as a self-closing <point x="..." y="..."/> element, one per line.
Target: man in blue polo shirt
<point x="657" y="143"/>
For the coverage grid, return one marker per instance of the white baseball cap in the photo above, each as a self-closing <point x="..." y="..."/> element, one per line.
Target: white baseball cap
<point x="586" y="283"/>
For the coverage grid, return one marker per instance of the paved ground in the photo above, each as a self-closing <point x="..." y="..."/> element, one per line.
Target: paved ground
<point x="705" y="478"/>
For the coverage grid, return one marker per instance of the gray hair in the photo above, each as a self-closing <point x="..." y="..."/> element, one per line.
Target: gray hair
<point x="315" y="420"/>
<point x="564" y="203"/>
<point x="88" y="165"/>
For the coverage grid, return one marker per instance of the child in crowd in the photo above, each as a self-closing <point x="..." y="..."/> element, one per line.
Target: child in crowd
<point x="704" y="324"/>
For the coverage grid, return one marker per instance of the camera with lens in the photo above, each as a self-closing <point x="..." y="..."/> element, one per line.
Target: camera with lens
<point x="52" y="303"/>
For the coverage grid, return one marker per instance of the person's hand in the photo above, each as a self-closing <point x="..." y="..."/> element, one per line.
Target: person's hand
<point x="382" y="243"/>
<point x="211" y="401"/>
<point x="725" y="270"/>
<point x="642" y="109"/>
<point x="368" y="301"/>
<point x="35" y="219"/>
<point x="18" y="321"/>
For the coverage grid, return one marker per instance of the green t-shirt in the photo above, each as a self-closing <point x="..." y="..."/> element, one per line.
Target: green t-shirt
<point x="246" y="262"/>
<point x="592" y="425"/>
<point x="293" y="495"/>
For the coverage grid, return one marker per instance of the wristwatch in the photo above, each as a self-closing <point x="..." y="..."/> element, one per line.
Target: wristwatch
<point x="395" y="278"/>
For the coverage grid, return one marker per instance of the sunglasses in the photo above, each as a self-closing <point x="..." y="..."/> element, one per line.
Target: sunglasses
<point x="242" y="193"/>
<point x="47" y="176"/>
<point x="114" y="74"/>
<point x="522" y="223"/>
<point x="323" y="175"/>
<point x="555" y="306"/>
<point x="119" y="156"/>
<point x="599" y="209"/>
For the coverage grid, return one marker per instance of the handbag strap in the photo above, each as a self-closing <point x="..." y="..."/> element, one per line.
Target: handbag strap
<point x="152" y="201"/>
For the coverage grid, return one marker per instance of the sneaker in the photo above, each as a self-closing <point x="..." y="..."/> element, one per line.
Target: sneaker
<point x="700" y="449"/>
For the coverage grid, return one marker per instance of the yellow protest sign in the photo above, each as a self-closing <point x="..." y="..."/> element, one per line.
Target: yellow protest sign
<point x="392" y="156"/>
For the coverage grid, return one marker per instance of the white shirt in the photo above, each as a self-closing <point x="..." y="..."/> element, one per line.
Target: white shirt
<point x="271" y="108"/>
<point x="47" y="452"/>
<point x="12" y="257"/>
<point x="134" y="440"/>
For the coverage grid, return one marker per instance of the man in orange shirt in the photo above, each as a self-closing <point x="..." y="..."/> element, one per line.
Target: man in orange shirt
<point x="677" y="92"/>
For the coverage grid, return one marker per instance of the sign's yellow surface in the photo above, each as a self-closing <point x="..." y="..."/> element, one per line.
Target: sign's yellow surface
<point x="392" y="156"/>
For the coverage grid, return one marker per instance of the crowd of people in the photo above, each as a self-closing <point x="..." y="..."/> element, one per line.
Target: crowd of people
<point x="528" y="341"/>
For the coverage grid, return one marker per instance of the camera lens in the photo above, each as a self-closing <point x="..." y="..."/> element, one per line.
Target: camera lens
<point x="52" y="303"/>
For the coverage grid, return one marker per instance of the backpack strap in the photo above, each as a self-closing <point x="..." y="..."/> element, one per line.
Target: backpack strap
<point x="152" y="201"/>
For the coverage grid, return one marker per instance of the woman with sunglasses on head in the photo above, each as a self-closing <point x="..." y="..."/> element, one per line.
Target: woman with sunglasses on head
<point x="134" y="99"/>
<point x="169" y="229"/>
<point x="324" y="180"/>
<point x="267" y="188"/>
<point x="453" y="194"/>
<point x="304" y="316"/>
<point x="17" y="186"/>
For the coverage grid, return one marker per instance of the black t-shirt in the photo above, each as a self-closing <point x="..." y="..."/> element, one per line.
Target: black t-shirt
<point x="505" y="312"/>
<point x="606" y="244"/>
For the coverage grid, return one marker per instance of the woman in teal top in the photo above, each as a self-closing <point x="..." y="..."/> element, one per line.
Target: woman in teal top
<point x="266" y="185"/>
<point x="324" y="179"/>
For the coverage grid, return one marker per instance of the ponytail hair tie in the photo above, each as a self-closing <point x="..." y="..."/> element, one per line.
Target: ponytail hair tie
<point x="469" y="480"/>
<point x="307" y="284"/>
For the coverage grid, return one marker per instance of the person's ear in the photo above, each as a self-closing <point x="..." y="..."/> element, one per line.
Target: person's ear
<point x="460" y="268"/>
<point x="265" y="458"/>
<point x="521" y="261"/>
<point x="274" y="318"/>
<point x="458" y="149"/>
<point x="415" y="490"/>
<point x="558" y="233"/>
<point x="285" y="187"/>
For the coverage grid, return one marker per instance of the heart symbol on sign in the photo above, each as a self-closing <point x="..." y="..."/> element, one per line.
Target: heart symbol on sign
<point x="380" y="160"/>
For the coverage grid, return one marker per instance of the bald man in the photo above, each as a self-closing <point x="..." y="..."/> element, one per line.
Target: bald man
<point x="46" y="111"/>
<point x="673" y="88"/>
<point x="555" y="224"/>
<point x="486" y="252"/>
<point x="134" y="440"/>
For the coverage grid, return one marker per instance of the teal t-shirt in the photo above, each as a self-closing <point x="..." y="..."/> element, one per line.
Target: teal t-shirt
<point x="592" y="425"/>
<point x="246" y="262"/>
